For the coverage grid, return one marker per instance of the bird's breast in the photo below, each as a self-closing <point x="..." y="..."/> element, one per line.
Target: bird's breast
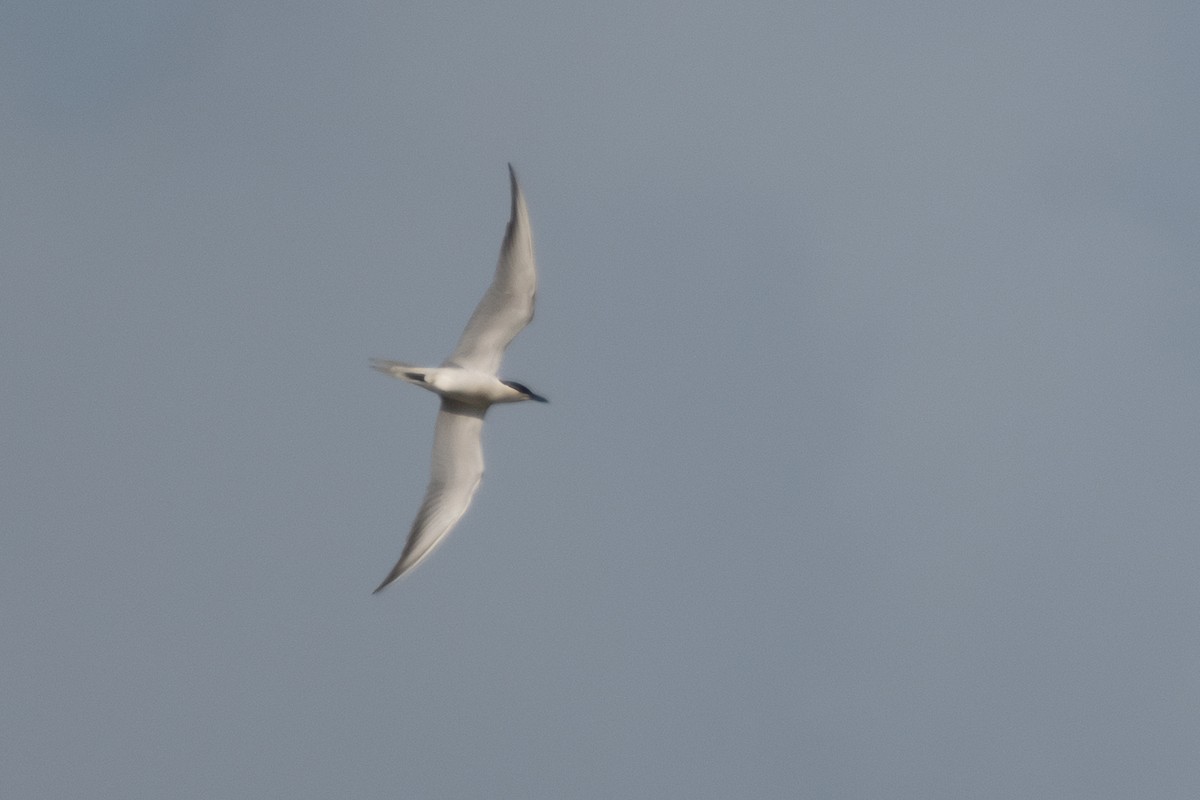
<point x="471" y="386"/>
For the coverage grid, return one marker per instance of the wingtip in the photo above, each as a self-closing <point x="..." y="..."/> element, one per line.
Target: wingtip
<point x="388" y="581"/>
<point x="517" y="200"/>
<point x="393" y="576"/>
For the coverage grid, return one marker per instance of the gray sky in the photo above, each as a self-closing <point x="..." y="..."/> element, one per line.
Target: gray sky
<point x="870" y="332"/>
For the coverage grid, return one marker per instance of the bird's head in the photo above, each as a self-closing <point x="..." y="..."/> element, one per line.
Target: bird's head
<point x="526" y="393"/>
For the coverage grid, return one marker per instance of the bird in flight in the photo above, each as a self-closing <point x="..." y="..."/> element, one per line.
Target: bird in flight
<point x="468" y="385"/>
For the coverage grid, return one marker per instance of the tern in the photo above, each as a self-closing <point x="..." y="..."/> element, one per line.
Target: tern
<point x="468" y="384"/>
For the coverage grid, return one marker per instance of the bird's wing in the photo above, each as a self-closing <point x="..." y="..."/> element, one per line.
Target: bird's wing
<point x="507" y="307"/>
<point x="457" y="468"/>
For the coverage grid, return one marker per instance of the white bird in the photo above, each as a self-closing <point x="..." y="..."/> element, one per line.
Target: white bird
<point x="468" y="385"/>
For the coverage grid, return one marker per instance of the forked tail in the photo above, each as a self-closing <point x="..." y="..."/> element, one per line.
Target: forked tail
<point x="398" y="369"/>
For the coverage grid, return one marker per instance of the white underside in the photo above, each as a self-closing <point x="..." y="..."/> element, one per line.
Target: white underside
<point x="471" y="386"/>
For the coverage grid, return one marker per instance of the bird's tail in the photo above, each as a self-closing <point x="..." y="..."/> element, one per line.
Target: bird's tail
<point x="398" y="369"/>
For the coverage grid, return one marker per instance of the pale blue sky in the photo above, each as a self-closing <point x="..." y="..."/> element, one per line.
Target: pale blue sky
<point x="872" y="339"/>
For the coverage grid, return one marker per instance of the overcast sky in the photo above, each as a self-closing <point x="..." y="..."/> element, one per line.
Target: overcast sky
<point x="871" y="333"/>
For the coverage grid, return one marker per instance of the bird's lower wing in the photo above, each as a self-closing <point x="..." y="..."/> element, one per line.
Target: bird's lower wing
<point x="457" y="469"/>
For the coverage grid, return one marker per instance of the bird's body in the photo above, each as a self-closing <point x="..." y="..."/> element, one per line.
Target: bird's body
<point x="468" y="385"/>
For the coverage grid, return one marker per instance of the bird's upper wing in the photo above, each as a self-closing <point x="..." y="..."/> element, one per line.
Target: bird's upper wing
<point x="507" y="307"/>
<point x="457" y="469"/>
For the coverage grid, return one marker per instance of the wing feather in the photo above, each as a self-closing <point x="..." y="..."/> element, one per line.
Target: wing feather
<point x="507" y="306"/>
<point x="457" y="470"/>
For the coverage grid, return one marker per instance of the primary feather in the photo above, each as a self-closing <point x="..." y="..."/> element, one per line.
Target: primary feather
<point x="457" y="469"/>
<point x="507" y="306"/>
